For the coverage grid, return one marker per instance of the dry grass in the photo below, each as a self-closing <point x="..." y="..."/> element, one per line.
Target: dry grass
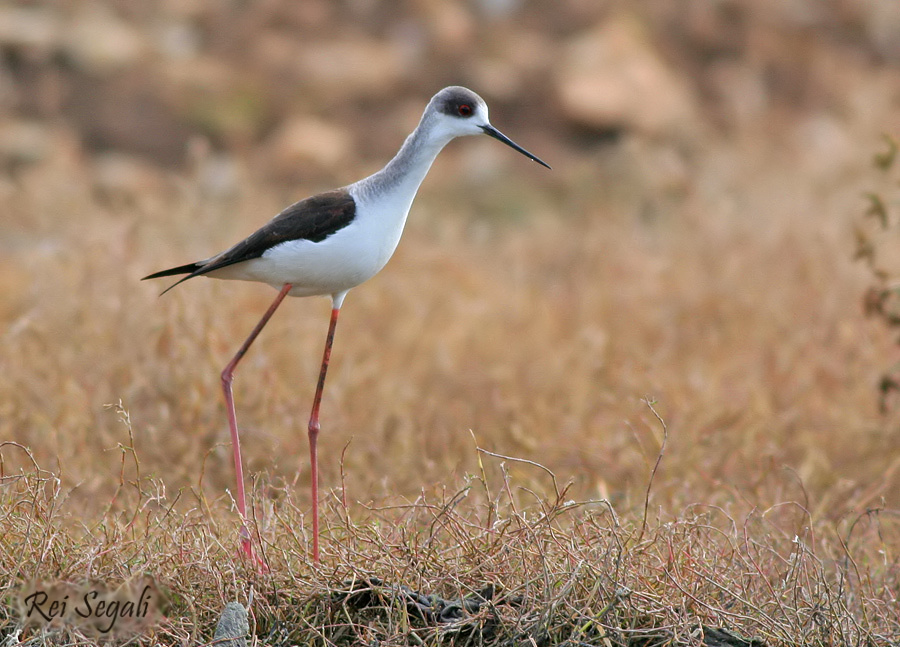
<point x="533" y="320"/>
<point x="550" y="571"/>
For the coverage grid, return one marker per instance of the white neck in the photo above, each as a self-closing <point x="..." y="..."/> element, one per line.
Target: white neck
<point x="399" y="181"/>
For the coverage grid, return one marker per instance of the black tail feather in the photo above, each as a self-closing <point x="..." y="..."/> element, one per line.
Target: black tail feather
<point x="190" y="268"/>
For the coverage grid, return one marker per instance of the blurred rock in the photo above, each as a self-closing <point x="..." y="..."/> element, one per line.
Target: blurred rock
<point x="519" y="57"/>
<point x="277" y="51"/>
<point x="715" y="27"/>
<point x="309" y="14"/>
<point x="185" y="8"/>
<point x="120" y="174"/>
<point x="530" y="51"/>
<point x="882" y="23"/>
<point x="499" y="9"/>
<point x="502" y="78"/>
<point x="452" y="26"/>
<point x="301" y="141"/>
<point x="23" y="141"/>
<point x="202" y="73"/>
<point x="178" y="40"/>
<point x="826" y="149"/>
<point x="219" y="176"/>
<point x="126" y="112"/>
<point x="36" y="29"/>
<point x="99" y="43"/>
<point x="351" y="67"/>
<point x="10" y="92"/>
<point x="799" y="13"/>
<point x="740" y="89"/>
<point x="612" y="78"/>
<point x="214" y="174"/>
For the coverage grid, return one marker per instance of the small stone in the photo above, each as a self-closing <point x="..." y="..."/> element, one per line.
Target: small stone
<point x="233" y="626"/>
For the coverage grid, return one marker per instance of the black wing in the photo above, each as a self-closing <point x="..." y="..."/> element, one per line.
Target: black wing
<point x="314" y="219"/>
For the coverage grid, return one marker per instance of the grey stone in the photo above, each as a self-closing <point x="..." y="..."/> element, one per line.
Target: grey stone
<point x="233" y="626"/>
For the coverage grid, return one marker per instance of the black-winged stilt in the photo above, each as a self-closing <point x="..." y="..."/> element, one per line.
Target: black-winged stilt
<point x="332" y="242"/>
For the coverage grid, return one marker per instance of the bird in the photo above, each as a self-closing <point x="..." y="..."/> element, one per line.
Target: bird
<point x="331" y="242"/>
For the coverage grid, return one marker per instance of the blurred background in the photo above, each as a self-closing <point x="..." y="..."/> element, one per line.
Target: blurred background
<point x="692" y="245"/>
<point x="306" y="92"/>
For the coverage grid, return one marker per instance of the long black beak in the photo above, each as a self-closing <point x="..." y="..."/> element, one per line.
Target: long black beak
<point x="496" y="134"/>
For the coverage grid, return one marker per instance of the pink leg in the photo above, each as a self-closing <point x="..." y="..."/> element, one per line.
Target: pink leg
<point x="227" y="378"/>
<point x="314" y="432"/>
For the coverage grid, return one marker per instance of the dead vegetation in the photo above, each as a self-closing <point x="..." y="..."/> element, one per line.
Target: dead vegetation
<point x="494" y="472"/>
<point x="772" y="511"/>
<point x="486" y="562"/>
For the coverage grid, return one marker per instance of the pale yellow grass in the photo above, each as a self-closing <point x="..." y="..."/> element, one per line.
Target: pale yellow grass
<point x="541" y="335"/>
<point x="535" y="324"/>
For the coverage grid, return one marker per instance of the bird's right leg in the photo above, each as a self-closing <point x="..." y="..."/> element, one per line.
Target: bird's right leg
<point x="314" y="427"/>
<point x="227" y="378"/>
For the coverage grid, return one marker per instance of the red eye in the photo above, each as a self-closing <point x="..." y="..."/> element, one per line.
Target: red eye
<point x="464" y="110"/>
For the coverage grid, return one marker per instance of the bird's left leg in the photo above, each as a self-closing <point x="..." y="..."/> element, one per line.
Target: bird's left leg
<point x="227" y="378"/>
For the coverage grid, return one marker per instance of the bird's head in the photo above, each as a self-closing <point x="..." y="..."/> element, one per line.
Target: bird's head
<point x="457" y="111"/>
